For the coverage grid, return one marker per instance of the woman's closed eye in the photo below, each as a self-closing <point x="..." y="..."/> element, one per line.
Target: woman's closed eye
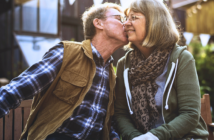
<point x="118" y="17"/>
<point x="133" y="17"/>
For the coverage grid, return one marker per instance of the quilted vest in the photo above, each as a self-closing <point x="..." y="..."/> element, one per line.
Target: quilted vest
<point x="50" y="110"/>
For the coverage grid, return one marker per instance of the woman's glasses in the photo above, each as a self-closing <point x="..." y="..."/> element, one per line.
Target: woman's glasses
<point x="131" y="17"/>
<point x="124" y="18"/>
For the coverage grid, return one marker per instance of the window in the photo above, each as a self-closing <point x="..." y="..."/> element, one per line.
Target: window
<point x="37" y="17"/>
<point x="34" y="47"/>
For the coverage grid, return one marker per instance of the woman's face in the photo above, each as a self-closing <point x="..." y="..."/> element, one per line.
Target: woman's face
<point x="135" y="27"/>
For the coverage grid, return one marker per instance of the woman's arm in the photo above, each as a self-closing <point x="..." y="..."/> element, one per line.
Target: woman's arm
<point x="124" y="123"/>
<point x="188" y="99"/>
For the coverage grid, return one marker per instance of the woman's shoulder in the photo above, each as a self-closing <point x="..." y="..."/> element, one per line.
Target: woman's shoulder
<point x="186" y="54"/>
<point x="181" y="53"/>
<point x="121" y="60"/>
<point x="125" y="58"/>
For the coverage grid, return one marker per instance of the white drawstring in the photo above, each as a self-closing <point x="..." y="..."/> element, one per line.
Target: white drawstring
<point x="169" y="77"/>
<point x="167" y="98"/>
<point x="128" y="93"/>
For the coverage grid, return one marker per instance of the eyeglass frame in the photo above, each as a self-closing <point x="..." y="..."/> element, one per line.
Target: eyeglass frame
<point x="126" y="18"/>
<point x="122" y="18"/>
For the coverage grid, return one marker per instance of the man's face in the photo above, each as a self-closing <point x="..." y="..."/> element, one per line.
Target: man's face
<point x="113" y="27"/>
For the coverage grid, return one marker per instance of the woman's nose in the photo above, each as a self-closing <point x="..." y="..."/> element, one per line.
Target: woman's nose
<point x="127" y="23"/>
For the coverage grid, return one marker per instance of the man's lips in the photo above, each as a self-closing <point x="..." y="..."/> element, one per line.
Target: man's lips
<point x="125" y="34"/>
<point x="127" y="31"/>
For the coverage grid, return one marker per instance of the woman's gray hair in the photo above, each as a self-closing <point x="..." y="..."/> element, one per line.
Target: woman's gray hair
<point x="160" y="28"/>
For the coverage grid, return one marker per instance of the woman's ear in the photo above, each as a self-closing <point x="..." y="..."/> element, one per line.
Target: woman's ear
<point x="98" y="23"/>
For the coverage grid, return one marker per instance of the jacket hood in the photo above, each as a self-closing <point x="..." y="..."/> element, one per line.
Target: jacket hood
<point x="177" y="50"/>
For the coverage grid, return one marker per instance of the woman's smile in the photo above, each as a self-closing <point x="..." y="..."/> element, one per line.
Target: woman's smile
<point x="130" y="31"/>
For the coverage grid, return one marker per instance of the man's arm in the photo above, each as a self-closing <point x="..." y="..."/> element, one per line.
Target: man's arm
<point x="32" y="81"/>
<point x="113" y="134"/>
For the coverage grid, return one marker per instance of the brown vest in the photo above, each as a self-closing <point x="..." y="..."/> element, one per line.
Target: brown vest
<point x="67" y="91"/>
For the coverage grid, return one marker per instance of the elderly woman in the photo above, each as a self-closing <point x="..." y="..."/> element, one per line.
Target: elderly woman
<point x="157" y="91"/>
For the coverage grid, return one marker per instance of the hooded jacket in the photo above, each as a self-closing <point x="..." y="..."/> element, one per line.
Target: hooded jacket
<point x="181" y="100"/>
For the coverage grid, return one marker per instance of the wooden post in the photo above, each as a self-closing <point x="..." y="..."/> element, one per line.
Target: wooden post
<point x="3" y="81"/>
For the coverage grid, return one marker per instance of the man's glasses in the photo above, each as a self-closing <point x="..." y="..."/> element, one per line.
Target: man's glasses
<point x="119" y="17"/>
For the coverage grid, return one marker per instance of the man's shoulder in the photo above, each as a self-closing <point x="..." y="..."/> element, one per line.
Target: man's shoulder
<point x="74" y="49"/>
<point x="71" y="44"/>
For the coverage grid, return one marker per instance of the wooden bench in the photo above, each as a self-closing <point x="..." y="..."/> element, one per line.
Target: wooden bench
<point x="3" y="81"/>
<point x="206" y="114"/>
<point x="12" y="125"/>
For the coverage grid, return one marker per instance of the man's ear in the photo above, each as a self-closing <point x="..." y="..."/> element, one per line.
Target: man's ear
<point x="98" y="23"/>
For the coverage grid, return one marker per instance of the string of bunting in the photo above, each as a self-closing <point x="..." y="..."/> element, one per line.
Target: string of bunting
<point x="194" y="9"/>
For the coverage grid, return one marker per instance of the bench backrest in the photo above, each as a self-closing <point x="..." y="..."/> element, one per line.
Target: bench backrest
<point x="206" y="113"/>
<point x="12" y="125"/>
<point x="3" y="81"/>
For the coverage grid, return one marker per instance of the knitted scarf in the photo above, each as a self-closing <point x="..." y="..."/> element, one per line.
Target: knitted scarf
<point x="143" y="73"/>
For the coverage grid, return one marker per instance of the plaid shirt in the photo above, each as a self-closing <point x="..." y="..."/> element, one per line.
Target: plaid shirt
<point x="87" y="119"/>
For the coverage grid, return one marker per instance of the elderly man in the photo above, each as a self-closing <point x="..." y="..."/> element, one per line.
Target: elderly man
<point x="73" y="85"/>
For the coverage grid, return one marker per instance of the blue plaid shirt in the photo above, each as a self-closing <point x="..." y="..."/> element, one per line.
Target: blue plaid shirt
<point x="88" y="118"/>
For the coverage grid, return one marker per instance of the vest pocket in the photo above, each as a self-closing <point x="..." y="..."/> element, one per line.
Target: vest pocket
<point x="69" y="86"/>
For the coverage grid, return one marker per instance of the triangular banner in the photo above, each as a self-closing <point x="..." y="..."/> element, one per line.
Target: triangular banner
<point x="188" y="36"/>
<point x="71" y="2"/>
<point x="97" y="2"/>
<point x="204" y="39"/>
<point x="125" y="3"/>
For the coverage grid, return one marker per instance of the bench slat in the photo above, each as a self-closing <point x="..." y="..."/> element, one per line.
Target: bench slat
<point x="1" y="129"/>
<point x="17" y="123"/>
<point x="26" y="103"/>
<point x="8" y="126"/>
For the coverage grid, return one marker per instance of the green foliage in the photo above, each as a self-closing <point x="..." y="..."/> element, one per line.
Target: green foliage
<point x="72" y="39"/>
<point x="115" y="69"/>
<point x="204" y="59"/>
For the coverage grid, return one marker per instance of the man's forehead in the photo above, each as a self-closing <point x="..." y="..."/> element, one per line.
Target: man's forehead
<point x="112" y="11"/>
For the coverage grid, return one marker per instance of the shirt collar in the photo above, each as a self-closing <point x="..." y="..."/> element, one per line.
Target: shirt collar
<point x="97" y="56"/>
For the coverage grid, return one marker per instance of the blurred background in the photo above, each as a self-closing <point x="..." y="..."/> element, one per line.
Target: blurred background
<point x="29" y="28"/>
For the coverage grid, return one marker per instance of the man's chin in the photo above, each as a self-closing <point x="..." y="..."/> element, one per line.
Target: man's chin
<point x="126" y="39"/>
<point x="126" y="42"/>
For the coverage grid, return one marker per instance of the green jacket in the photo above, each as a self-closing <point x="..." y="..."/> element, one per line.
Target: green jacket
<point x="182" y="118"/>
<point x="67" y="91"/>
